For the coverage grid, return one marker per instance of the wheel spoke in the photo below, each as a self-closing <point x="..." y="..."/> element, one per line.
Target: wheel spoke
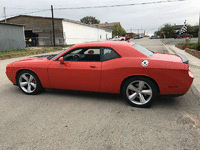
<point x="24" y="77"/>
<point x="29" y="88"/>
<point x="23" y="84"/>
<point x="31" y="78"/>
<point x="131" y="87"/>
<point x="141" y="97"/>
<point x="34" y="85"/>
<point x="141" y="85"/>
<point x="148" y="92"/>
<point x="132" y="96"/>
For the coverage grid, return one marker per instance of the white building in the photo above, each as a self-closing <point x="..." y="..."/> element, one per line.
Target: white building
<point x="76" y="32"/>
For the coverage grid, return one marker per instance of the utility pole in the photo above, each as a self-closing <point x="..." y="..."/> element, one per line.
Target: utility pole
<point x="54" y="43"/>
<point x="4" y="14"/>
<point x="199" y="30"/>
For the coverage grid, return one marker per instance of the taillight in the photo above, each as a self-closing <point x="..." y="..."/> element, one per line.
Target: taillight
<point x="190" y="74"/>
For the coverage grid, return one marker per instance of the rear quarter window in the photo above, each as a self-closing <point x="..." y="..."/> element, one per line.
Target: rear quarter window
<point x="143" y="50"/>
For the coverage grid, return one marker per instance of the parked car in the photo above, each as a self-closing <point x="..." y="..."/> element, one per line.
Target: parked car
<point x="154" y="37"/>
<point x="108" y="66"/>
<point x="137" y="37"/>
<point x="127" y="38"/>
<point x="121" y="38"/>
<point x="115" y="38"/>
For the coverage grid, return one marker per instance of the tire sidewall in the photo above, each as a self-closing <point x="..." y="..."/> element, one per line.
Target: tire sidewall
<point x="149" y="82"/>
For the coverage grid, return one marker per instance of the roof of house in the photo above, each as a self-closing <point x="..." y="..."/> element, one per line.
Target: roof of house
<point x="32" y="17"/>
<point x="178" y="27"/>
<point x="68" y="20"/>
<point x="11" y="24"/>
<point x="106" y="24"/>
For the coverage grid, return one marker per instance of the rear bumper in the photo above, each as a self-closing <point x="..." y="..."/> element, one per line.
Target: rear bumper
<point x="180" y="84"/>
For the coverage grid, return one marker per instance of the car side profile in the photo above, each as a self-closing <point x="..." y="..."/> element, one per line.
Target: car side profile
<point x="107" y="66"/>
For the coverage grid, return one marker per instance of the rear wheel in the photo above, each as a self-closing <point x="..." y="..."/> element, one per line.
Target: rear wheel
<point x="29" y="83"/>
<point x="139" y="91"/>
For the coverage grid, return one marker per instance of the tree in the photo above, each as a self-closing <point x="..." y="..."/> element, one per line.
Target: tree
<point x="118" y="30"/>
<point x="90" y="20"/>
<point x="193" y="30"/>
<point x="168" y="30"/>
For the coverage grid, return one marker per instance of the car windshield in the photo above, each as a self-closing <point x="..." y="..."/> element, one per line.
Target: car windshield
<point x="51" y="57"/>
<point x="143" y="50"/>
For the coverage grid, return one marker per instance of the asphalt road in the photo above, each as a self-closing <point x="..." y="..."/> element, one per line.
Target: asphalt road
<point x="94" y="121"/>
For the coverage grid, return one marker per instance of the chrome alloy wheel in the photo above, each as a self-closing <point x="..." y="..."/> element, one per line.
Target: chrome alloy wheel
<point x="139" y="92"/>
<point x="27" y="83"/>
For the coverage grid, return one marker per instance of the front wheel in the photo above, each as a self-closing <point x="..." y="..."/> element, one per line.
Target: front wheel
<point x="139" y="91"/>
<point x="29" y="83"/>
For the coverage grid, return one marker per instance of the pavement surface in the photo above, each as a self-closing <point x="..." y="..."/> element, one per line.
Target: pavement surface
<point x="74" y="120"/>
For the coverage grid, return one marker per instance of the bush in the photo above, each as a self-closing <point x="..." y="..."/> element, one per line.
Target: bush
<point x="195" y="46"/>
<point x="184" y="44"/>
<point x="198" y="47"/>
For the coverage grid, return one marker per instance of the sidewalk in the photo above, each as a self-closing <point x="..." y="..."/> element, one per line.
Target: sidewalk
<point x="194" y="64"/>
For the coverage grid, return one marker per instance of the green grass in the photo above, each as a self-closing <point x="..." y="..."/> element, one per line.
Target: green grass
<point x="27" y="52"/>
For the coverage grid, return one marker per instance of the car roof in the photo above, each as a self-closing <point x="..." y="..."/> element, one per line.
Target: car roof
<point x="105" y="44"/>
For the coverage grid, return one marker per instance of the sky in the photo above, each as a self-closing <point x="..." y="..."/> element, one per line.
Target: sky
<point x="145" y="15"/>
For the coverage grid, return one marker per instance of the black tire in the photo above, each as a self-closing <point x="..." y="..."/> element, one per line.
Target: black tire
<point x="29" y="83"/>
<point x="139" y="91"/>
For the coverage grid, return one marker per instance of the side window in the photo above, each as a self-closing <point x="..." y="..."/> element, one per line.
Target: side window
<point x="109" y="54"/>
<point x="92" y="54"/>
<point x="84" y="54"/>
<point x="92" y="51"/>
<point x="73" y="55"/>
<point x="76" y="51"/>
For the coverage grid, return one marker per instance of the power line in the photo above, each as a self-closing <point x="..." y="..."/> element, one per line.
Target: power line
<point x="23" y="8"/>
<point x="31" y="12"/>
<point x="123" y="5"/>
<point x="109" y="6"/>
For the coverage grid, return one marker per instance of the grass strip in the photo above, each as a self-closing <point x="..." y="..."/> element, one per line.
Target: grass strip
<point x="29" y="51"/>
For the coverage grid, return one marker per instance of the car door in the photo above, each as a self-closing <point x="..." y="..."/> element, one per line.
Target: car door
<point x="82" y="74"/>
<point x="111" y="71"/>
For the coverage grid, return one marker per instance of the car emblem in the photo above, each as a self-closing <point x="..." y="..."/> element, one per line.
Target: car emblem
<point x="144" y="63"/>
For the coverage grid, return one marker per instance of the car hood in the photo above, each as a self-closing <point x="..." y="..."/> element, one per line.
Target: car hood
<point x="33" y="59"/>
<point x="36" y="58"/>
<point x="167" y="57"/>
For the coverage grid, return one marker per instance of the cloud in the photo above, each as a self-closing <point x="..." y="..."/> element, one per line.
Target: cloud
<point x="149" y="17"/>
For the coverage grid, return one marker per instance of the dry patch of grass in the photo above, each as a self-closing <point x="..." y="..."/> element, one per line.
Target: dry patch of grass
<point x="29" y="51"/>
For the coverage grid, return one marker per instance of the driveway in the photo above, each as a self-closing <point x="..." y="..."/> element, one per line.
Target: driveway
<point x="96" y="121"/>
